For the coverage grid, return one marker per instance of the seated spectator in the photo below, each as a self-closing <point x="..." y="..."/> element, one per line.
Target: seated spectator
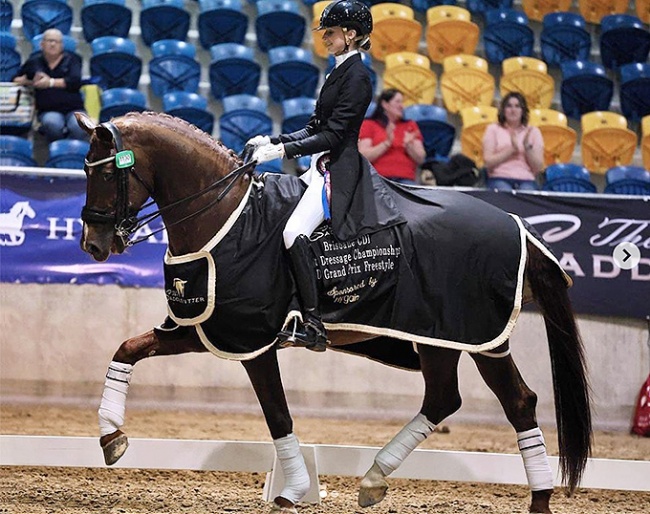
<point x="513" y="152"/>
<point x="392" y="145"/>
<point x="55" y="76"/>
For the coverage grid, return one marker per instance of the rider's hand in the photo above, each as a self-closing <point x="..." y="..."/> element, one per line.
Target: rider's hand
<point x="268" y="152"/>
<point x="257" y="141"/>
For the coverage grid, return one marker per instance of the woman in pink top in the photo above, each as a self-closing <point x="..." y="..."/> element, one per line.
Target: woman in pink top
<point x="392" y="145"/>
<point x="513" y="152"/>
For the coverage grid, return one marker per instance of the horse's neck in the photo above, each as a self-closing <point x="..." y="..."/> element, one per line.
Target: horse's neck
<point x="176" y="181"/>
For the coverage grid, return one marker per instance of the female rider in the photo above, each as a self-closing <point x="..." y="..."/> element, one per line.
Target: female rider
<point x="358" y="202"/>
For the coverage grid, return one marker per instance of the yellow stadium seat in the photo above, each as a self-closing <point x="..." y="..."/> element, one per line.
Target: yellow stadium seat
<point x="466" y="82"/>
<point x="411" y="73"/>
<point x="450" y="31"/>
<point x="643" y="11"/>
<point x="528" y="76"/>
<point x="645" y="141"/>
<point x="559" y="139"/>
<point x="606" y="141"/>
<point x="395" y="29"/>
<point x="537" y="9"/>
<point x="475" y="120"/>
<point x="593" y="10"/>
<point x="319" y="47"/>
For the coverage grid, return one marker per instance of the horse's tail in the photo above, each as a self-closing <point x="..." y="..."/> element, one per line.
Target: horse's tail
<point x="570" y="383"/>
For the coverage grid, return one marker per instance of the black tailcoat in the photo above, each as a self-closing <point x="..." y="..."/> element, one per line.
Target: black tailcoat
<point x="360" y="202"/>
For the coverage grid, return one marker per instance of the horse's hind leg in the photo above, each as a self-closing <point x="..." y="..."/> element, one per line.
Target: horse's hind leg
<point x="264" y="374"/>
<point x="111" y="409"/>
<point x="519" y="402"/>
<point x="441" y="399"/>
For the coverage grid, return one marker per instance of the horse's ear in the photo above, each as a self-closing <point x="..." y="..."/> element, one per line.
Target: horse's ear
<point x="103" y="134"/>
<point x="85" y="122"/>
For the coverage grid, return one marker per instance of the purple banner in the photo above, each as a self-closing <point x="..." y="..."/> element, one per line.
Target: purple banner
<point x="40" y="231"/>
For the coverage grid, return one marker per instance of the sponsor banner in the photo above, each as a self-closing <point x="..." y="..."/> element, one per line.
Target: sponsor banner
<point x="583" y="231"/>
<point x="40" y="228"/>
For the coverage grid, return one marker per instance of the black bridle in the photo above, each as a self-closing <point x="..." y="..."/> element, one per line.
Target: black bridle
<point x="124" y="220"/>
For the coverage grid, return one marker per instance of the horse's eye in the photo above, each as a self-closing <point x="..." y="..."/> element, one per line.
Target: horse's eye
<point x="108" y="175"/>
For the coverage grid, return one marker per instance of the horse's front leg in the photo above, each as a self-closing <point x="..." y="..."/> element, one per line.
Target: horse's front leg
<point x="111" y="409"/>
<point x="264" y="374"/>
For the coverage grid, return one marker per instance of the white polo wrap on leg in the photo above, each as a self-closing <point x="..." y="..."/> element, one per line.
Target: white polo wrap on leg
<point x="393" y="454"/>
<point x="533" y="452"/>
<point x="296" y="477"/>
<point x="113" y="404"/>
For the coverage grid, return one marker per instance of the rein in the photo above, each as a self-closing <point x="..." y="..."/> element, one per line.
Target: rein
<point x="125" y="224"/>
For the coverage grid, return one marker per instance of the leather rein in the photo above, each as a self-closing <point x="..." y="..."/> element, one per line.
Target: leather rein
<point x="125" y="221"/>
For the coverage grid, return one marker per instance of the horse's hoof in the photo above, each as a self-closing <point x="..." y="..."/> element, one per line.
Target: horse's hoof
<point x="283" y="510"/>
<point x="373" y="487"/>
<point x="115" y="448"/>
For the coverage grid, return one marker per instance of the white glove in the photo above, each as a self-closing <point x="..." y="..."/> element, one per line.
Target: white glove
<point x="258" y="141"/>
<point x="268" y="152"/>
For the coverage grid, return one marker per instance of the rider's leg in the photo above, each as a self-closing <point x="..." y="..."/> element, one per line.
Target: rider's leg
<point x="308" y="215"/>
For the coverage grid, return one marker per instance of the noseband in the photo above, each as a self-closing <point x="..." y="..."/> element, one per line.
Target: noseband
<point x="125" y="221"/>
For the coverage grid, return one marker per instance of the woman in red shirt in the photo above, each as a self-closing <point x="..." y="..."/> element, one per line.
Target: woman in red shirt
<point x="392" y="145"/>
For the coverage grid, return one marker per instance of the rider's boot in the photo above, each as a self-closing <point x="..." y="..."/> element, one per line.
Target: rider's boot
<point x="309" y="331"/>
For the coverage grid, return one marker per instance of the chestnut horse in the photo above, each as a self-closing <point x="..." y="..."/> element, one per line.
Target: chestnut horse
<point x="197" y="185"/>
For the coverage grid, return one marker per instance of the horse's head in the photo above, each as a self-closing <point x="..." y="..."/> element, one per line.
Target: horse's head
<point x="113" y="197"/>
<point x="23" y="209"/>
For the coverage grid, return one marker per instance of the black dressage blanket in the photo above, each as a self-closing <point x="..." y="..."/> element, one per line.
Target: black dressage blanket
<point x="452" y="276"/>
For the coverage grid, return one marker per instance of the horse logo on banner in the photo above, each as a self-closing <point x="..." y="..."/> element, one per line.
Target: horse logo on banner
<point x="11" y="224"/>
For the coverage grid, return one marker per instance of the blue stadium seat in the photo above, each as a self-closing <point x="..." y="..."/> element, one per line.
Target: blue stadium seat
<point x="242" y="119"/>
<point x="67" y="154"/>
<point x="296" y="112"/>
<point x="627" y="180"/>
<point x="279" y="23"/>
<point x="292" y="73"/>
<point x="274" y="166"/>
<point x="483" y="6"/>
<point x="119" y="101"/>
<point x="10" y="59"/>
<point x="173" y="67"/>
<point x="585" y="88"/>
<point x="437" y="132"/>
<point x="6" y="15"/>
<point x="105" y="18"/>
<point x="7" y="40"/>
<point x="568" y="178"/>
<point x="163" y="19"/>
<point x="507" y="34"/>
<point x="115" y="63"/>
<point x="635" y="90"/>
<point x="244" y="101"/>
<point x="564" y="37"/>
<point x="40" y="15"/>
<point x="221" y="21"/>
<point x="190" y="107"/>
<point x="623" y="39"/>
<point x="233" y="70"/>
<point x="16" y="151"/>
<point x="365" y="59"/>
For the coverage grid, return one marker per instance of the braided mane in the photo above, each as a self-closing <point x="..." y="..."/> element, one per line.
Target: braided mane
<point x="186" y="129"/>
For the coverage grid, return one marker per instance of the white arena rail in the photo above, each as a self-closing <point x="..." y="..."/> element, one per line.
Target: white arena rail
<point x="244" y="456"/>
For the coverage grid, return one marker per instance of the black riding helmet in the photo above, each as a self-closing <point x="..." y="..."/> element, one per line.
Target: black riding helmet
<point x="348" y="14"/>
